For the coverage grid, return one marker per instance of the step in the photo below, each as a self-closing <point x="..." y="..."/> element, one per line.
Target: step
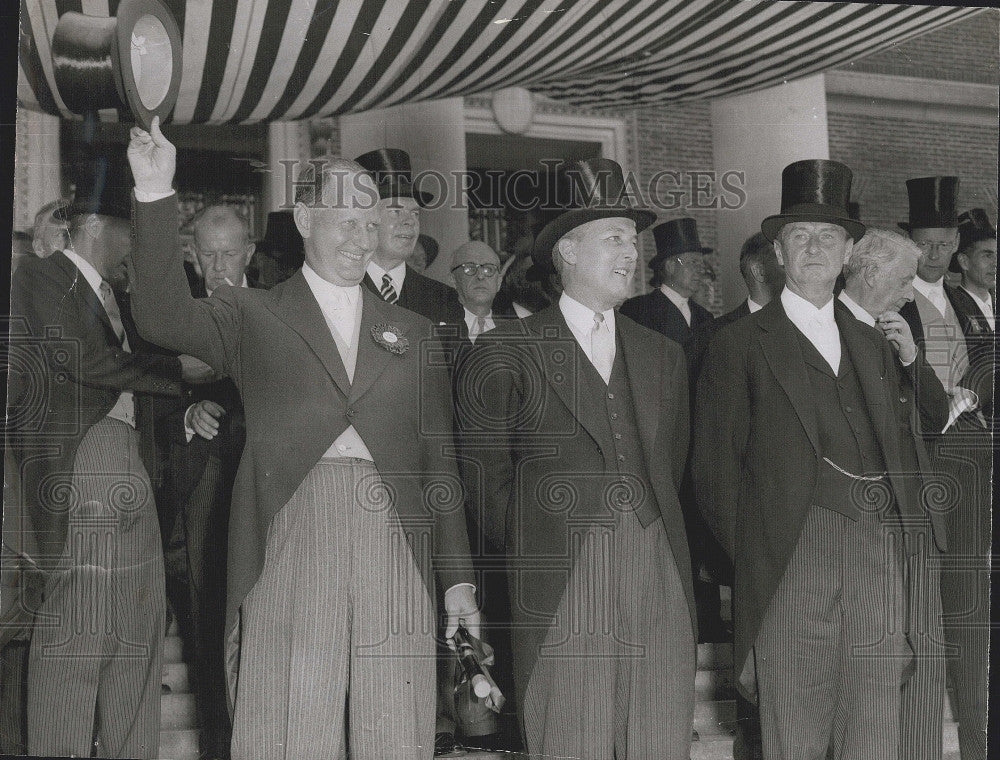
<point x="177" y="711"/>
<point x="178" y="744"/>
<point x="712" y="719"/>
<point x="713" y="685"/>
<point x="715" y="656"/>
<point x="172" y="649"/>
<point x="175" y="675"/>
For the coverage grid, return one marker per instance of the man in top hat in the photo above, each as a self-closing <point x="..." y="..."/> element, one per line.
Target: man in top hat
<point x="962" y="455"/>
<point x="96" y="652"/>
<point x="678" y="267"/>
<point x="578" y="443"/>
<point x="388" y="273"/>
<point x="347" y="505"/>
<point x="796" y="468"/>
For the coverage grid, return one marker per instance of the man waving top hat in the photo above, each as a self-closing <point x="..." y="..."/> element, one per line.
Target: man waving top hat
<point x="388" y="273"/>
<point x="580" y="440"/>
<point x="797" y="469"/>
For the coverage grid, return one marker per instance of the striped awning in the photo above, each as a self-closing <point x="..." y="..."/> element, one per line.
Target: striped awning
<point x="265" y="60"/>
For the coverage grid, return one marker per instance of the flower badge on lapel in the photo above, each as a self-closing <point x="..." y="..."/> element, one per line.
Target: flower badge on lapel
<point x="390" y="338"/>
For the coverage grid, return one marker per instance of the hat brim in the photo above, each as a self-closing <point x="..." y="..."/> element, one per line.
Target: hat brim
<point x="129" y="12"/>
<point x="773" y="224"/>
<point x="541" y="253"/>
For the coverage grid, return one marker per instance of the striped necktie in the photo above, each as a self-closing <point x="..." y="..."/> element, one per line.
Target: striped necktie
<point x="114" y="315"/>
<point x="388" y="292"/>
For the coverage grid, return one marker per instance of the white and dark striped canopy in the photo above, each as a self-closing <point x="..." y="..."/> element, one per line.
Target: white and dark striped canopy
<point x="263" y="60"/>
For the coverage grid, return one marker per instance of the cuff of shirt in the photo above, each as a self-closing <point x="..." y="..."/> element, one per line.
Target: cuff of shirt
<point x="459" y="585"/>
<point x="188" y="430"/>
<point x="146" y="197"/>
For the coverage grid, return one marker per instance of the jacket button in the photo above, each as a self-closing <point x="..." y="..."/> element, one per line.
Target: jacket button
<point x="902" y="399"/>
<point x="611" y="396"/>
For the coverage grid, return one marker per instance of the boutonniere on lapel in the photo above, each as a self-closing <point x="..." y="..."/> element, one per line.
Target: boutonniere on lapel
<point x="390" y="338"/>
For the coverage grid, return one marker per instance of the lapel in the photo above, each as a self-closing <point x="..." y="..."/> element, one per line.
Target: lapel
<point x="645" y="378"/>
<point x="780" y="345"/>
<point x="561" y="371"/>
<point x="297" y="307"/>
<point x="372" y="358"/>
<point x="677" y="328"/>
<point x="80" y="288"/>
<point x="865" y="351"/>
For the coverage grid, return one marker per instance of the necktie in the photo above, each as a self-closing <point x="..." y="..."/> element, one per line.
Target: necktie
<point x="478" y="328"/>
<point x="388" y="292"/>
<point x="114" y="315"/>
<point x="602" y="347"/>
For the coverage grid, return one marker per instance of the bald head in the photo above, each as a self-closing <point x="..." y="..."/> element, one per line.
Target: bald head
<point x="477" y="290"/>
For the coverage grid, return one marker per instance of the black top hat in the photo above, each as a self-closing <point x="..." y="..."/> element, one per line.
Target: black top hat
<point x="282" y="240"/>
<point x="130" y="62"/>
<point x="814" y="190"/>
<point x="102" y="188"/>
<point x="933" y="202"/>
<point x="674" y="238"/>
<point x="598" y="187"/>
<point x="391" y="169"/>
<point x="430" y="246"/>
<point x="973" y="225"/>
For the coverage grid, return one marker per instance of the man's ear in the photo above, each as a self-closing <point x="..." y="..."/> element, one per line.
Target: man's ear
<point x="566" y="248"/>
<point x="777" y="253"/>
<point x="964" y="262"/>
<point x="848" y="249"/>
<point x="93" y="225"/>
<point x="869" y="275"/>
<point x="757" y="271"/>
<point x="303" y="218"/>
<point x="251" y="247"/>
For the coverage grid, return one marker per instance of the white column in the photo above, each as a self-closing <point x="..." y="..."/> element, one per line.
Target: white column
<point x="286" y="141"/>
<point x="760" y="133"/>
<point x="433" y="133"/>
<point x="37" y="169"/>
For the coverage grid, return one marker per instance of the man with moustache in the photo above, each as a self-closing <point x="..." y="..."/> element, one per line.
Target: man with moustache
<point x="796" y="468"/>
<point x="388" y="272"/>
<point x="878" y="283"/>
<point x="329" y="615"/>
<point x="579" y="445"/>
<point x="962" y="455"/>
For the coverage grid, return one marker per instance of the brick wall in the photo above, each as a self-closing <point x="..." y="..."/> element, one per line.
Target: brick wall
<point x="884" y="153"/>
<point x="966" y="51"/>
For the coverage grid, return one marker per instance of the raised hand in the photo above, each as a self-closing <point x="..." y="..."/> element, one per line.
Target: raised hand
<point x="898" y="333"/>
<point x="153" y="159"/>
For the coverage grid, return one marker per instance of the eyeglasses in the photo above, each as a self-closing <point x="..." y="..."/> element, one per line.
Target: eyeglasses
<point x="927" y="246"/>
<point x="471" y="269"/>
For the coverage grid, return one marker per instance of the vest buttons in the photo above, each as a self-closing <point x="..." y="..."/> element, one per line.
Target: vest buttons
<point x="350" y="412"/>
<point x="847" y="409"/>
<point x="618" y="436"/>
<point x="614" y="415"/>
<point x="621" y="457"/>
<point x="902" y="399"/>
<point x="611" y="396"/>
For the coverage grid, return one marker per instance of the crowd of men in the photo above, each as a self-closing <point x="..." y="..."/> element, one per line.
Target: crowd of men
<point x="308" y="447"/>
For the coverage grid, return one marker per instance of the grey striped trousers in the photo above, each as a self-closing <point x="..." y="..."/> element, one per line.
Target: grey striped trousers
<point x="615" y="675"/>
<point x="337" y="650"/>
<point x="832" y="651"/>
<point x="97" y="649"/>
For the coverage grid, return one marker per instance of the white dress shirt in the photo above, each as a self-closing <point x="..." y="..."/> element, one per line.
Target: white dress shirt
<point x="679" y="301"/>
<point x="754" y="306"/>
<point x="243" y="284"/>
<point x="580" y="319"/>
<point x="521" y="311"/>
<point x="933" y="292"/>
<point x="338" y="304"/>
<point x="124" y="408"/>
<point x="818" y="325"/>
<point x="470" y="322"/>
<point x="859" y="313"/>
<point x="397" y="274"/>
<point x="985" y="306"/>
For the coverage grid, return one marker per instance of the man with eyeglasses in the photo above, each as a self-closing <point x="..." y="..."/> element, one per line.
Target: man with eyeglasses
<point x="475" y="268"/>
<point x="962" y="456"/>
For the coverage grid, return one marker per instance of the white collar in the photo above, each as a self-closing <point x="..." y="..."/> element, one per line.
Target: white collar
<point x="91" y="275"/>
<point x="753" y="305"/>
<point x="985" y="305"/>
<point x="929" y="289"/>
<point x="800" y="310"/>
<point x="676" y="298"/>
<point x="397" y="273"/>
<point x="581" y="317"/>
<point x="470" y="318"/>
<point x="327" y="291"/>
<point x="859" y="313"/>
<point x="243" y="284"/>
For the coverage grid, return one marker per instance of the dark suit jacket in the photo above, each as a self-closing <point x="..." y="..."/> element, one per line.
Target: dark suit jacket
<point x="757" y="457"/>
<point x="533" y="432"/>
<point x="68" y="374"/>
<point x="979" y="376"/>
<point x="703" y="334"/>
<point x="276" y="346"/>
<point x="657" y="312"/>
<point x="426" y="296"/>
